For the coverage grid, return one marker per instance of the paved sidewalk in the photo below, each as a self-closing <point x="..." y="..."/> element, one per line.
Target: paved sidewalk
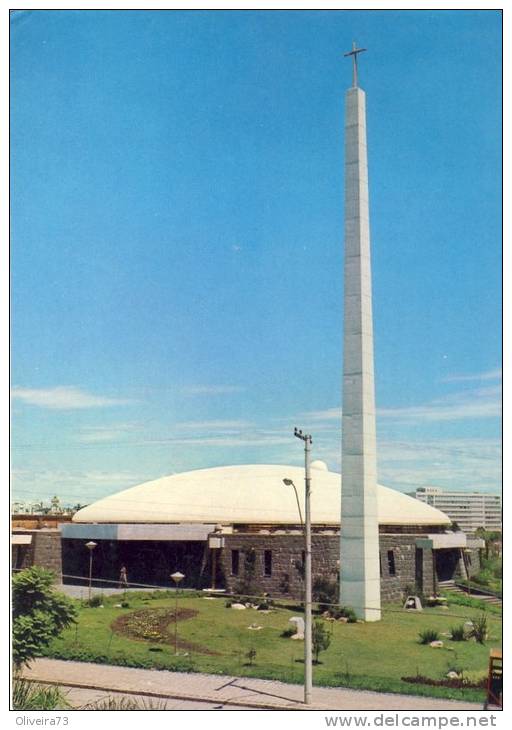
<point x="82" y="592"/>
<point x="257" y="693"/>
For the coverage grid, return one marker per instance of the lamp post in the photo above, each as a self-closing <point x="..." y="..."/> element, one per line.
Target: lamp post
<point x="308" y="599"/>
<point x="177" y="577"/>
<point x="90" y="546"/>
<point x="289" y="483"/>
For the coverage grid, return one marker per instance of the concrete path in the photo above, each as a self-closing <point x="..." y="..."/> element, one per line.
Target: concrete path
<point x="218" y="689"/>
<point x="82" y="592"/>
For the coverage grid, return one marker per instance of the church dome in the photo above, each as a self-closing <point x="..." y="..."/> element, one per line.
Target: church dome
<point x="248" y="494"/>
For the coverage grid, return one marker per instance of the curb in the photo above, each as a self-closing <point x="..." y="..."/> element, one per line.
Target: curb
<point x="216" y="700"/>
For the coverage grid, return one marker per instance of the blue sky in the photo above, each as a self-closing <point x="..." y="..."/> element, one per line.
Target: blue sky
<point x="177" y="242"/>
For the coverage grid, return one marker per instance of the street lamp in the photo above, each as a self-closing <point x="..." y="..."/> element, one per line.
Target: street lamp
<point x="289" y="483"/>
<point x="177" y="577"/>
<point x="308" y="599"/>
<point x="90" y="546"/>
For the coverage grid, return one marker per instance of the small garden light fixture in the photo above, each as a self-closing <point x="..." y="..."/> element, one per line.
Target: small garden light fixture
<point x="90" y="546"/>
<point x="177" y="577"/>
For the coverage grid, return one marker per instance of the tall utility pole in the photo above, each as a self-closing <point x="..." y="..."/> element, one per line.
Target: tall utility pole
<point x="308" y="599"/>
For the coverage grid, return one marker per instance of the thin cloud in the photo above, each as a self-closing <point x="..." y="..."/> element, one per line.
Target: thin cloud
<point x="463" y="463"/>
<point x="329" y="414"/>
<point x="460" y="408"/>
<point x="71" y="485"/>
<point x="226" y="439"/>
<point x="214" y="425"/>
<point x="211" y="389"/>
<point x="64" y="398"/>
<point x="104" y="434"/>
<point x="488" y="375"/>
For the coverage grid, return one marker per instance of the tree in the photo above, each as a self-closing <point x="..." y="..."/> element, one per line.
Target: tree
<point x="492" y="540"/>
<point x="246" y="585"/>
<point x="39" y="613"/>
<point x="321" y="638"/>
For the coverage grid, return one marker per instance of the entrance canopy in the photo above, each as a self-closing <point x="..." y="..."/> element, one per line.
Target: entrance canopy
<point x="442" y="541"/>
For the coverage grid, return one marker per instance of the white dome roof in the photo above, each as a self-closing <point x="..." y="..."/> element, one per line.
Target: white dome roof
<point x="320" y="465"/>
<point x="248" y="494"/>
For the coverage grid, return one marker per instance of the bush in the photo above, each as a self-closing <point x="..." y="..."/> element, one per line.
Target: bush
<point x="246" y="584"/>
<point x="428" y="635"/>
<point x="458" y="633"/>
<point x="39" y="614"/>
<point x="251" y="655"/>
<point x="321" y="638"/>
<point x="286" y="633"/>
<point x="463" y="600"/>
<point x="479" y="629"/>
<point x="344" y="612"/>
<point x="94" y="601"/>
<point x="325" y="592"/>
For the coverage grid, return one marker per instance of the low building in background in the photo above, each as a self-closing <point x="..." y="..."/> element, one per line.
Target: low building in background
<point x="470" y="510"/>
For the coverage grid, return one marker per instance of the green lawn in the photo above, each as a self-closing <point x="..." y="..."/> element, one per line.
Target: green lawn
<point x="372" y="656"/>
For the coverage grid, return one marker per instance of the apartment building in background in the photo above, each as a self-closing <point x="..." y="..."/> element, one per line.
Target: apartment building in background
<point x="470" y="510"/>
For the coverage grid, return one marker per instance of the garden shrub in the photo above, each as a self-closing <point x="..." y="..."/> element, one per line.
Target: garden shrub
<point x="462" y="600"/>
<point x="264" y="606"/>
<point x="344" y="612"/>
<point x="458" y="633"/>
<point x="325" y="593"/>
<point x="321" y="638"/>
<point x="286" y="633"/>
<point x="428" y="635"/>
<point x="39" y="614"/>
<point x="246" y="584"/>
<point x="479" y="629"/>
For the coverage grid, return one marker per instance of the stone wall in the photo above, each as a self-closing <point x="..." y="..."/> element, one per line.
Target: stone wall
<point x="44" y="551"/>
<point x="471" y="566"/>
<point x="398" y="570"/>
<point x="283" y="574"/>
<point x="397" y="565"/>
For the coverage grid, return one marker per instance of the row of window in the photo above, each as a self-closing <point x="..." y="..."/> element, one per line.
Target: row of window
<point x="267" y="562"/>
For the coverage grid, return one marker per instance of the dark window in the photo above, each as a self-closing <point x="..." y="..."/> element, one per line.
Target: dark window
<point x="391" y="562"/>
<point x="235" y="562"/>
<point x="267" y="558"/>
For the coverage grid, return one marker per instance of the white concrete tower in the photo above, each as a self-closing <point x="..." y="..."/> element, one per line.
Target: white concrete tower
<point x="359" y="547"/>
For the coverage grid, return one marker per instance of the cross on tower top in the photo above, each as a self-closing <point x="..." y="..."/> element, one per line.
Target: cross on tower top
<point x="354" y="53"/>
